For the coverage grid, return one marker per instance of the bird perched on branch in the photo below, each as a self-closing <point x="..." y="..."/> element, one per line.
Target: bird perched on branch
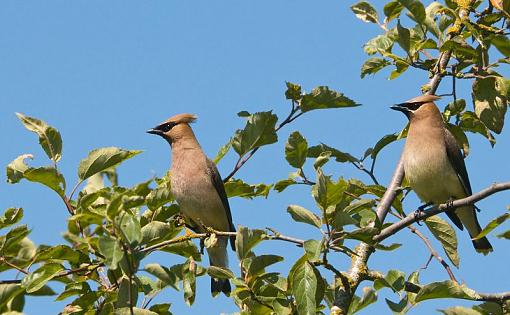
<point x="434" y="164"/>
<point x="198" y="189"/>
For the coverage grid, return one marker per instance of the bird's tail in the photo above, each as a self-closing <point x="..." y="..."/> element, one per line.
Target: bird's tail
<point x="218" y="257"/>
<point x="482" y="245"/>
<point x="469" y="219"/>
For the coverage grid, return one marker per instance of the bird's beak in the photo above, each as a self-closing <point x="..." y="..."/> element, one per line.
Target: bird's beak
<point x="155" y="131"/>
<point x="400" y="107"/>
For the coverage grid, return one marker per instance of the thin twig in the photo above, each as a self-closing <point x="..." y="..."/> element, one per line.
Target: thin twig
<point x="421" y="215"/>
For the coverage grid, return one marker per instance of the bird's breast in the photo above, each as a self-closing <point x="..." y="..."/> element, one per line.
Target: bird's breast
<point x="430" y="173"/>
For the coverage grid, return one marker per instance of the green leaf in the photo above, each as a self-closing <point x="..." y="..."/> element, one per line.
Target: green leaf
<point x="322" y="97"/>
<point x="339" y="156"/>
<point x="416" y="9"/>
<point x="314" y="249"/>
<point x="189" y="281"/>
<point x="293" y="91"/>
<point x="394" y="279"/>
<point x="369" y="297"/>
<point x="8" y="292"/>
<point x="397" y="308"/>
<point x="379" y="44"/>
<point x="101" y="159"/>
<point x="11" y="216"/>
<point x="246" y="239"/>
<point x="300" y="214"/>
<point x="492" y="225"/>
<point x="49" y="137"/>
<point x="220" y="273"/>
<point x="444" y="233"/>
<point x="490" y="101"/>
<point x="223" y="150"/>
<point x="296" y="150"/>
<point x="48" y="176"/>
<point x="158" y="197"/>
<point x="404" y="37"/>
<point x="136" y="311"/>
<point x="17" y="168"/>
<point x="238" y="188"/>
<point x="505" y="235"/>
<point x="400" y="67"/>
<point x="392" y="10"/>
<point x="470" y="122"/>
<point x="459" y="310"/>
<point x="259" y="131"/>
<point x="502" y="43"/>
<point x="384" y="141"/>
<point x="445" y="289"/>
<point x="327" y="192"/>
<point x="165" y="275"/>
<point x="184" y="249"/>
<point x="460" y="137"/>
<point x="307" y="287"/>
<point x="365" y="12"/>
<point x="283" y="184"/>
<point x="130" y="227"/>
<point x="111" y="250"/>
<point x="60" y="252"/>
<point x="127" y="295"/>
<point x="37" y="279"/>
<point x="256" y="265"/>
<point x="156" y="231"/>
<point x="373" y="65"/>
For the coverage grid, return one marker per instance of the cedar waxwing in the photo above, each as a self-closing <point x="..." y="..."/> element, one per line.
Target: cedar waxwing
<point x="434" y="165"/>
<point x="198" y="189"/>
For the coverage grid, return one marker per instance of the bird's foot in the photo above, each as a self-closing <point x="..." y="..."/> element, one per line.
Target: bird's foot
<point x="449" y="204"/>
<point x="418" y="213"/>
<point x="202" y="245"/>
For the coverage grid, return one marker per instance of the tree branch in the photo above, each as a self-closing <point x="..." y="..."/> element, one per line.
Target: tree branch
<point x="421" y="215"/>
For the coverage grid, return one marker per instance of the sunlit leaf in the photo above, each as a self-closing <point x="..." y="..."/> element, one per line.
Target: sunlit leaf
<point x="444" y="233"/>
<point x="259" y="131"/>
<point x="48" y="176"/>
<point x="49" y="137"/>
<point x="17" y="168"/>
<point x="101" y="159"/>
<point x="37" y="279"/>
<point x="365" y="12"/>
<point x="445" y="289"/>
<point x="246" y="239"/>
<point x="301" y="214"/>
<point x="296" y="149"/>
<point x="322" y="97"/>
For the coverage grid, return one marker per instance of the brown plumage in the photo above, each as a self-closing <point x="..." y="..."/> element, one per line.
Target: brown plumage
<point x="198" y="189"/>
<point x="434" y="165"/>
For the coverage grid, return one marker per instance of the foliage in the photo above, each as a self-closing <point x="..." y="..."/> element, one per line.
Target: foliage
<point x="113" y="229"/>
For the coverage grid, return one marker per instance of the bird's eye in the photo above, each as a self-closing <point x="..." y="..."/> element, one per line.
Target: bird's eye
<point x="414" y="106"/>
<point x="166" y="127"/>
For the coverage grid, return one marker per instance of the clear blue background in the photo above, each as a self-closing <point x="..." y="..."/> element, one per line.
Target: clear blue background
<point x="104" y="72"/>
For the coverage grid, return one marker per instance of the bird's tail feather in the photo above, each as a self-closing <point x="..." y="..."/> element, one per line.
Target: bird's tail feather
<point x="220" y="285"/>
<point x="482" y="245"/>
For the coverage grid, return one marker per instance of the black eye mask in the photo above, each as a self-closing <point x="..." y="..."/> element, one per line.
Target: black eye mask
<point x="166" y="126"/>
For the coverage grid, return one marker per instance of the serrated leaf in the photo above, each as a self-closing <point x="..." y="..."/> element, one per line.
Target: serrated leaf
<point x="490" y="101"/>
<point x="49" y="137"/>
<point x="17" y="168"/>
<point x="283" y="184"/>
<point x="444" y="233"/>
<point x="365" y="12"/>
<point x="445" y="289"/>
<point x="296" y="150"/>
<point x="373" y="65"/>
<point x="259" y="131"/>
<point x="492" y="225"/>
<point x="384" y="141"/>
<point x="158" y="197"/>
<point x="246" y="239"/>
<point x="111" y="250"/>
<point x="37" y="279"/>
<point x="327" y="192"/>
<point x="322" y="98"/>
<point x="101" y="159"/>
<point x="300" y="214"/>
<point x="48" y="176"/>
<point x="317" y="150"/>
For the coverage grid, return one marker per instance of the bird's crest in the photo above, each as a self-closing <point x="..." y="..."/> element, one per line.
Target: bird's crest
<point x="182" y="118"/>
<point x="426" y="98"/>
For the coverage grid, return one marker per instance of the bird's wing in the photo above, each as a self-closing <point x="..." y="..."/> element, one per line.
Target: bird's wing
<point x="457" y="161"/>
<point x="220" y="189"/>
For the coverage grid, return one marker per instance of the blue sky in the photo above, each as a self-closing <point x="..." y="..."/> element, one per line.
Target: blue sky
<point x="102" y="73"/>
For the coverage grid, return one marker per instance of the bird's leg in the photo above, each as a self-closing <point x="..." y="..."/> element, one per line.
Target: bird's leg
<point x="449" y="204"/>
<point x="202" y="245"/>
<point x="419" y="211"/>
